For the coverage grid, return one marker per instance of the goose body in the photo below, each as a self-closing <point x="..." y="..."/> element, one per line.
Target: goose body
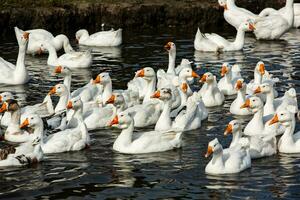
<point x="235" y="107"/>
<point x="103" y="38"/>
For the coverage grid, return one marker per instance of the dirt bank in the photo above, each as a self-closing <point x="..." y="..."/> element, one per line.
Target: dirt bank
<point x="62" y="15"/>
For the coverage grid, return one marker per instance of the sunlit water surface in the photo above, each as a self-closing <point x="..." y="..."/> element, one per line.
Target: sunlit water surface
<point x="100" y="172"/>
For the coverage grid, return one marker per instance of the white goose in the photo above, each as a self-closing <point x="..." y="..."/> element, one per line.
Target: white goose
<point x="259" y="146"/>
<point x="282" y="11"/>
<point x="216" y="43"/>
<point x="273" y="26"/>
<point x="235" y="107"/>
<point x="272" y="105"/>
<point x="232" y="162"/>
<point x="226" y="84"/>
<point x="258" y="125"/>
<point x="103" y="38"/>
<point x="26" y="154"/>
<point x="143" y="142"/>
<point x="188" y="119"/>
<point x="74" y="139"/>
<point x="211" y="95"/>
<point x="69" y="59"/>
<point x="234" y="15"/>
<point x="15" y="74"/>
<point x="289" y="141"/>
<point x="38" y="36"/>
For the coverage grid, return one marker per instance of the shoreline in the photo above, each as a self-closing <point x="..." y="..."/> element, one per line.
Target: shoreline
<point x="59" y="16"/>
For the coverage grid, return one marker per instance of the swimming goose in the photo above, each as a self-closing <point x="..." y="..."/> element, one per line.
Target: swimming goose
<point x="296" y="14"/>
<point x="13" y="133"/>
<point x="232" y="162"/>
<point x="273" y="26"/>
<point x="142" y="142"/>
<point x="21" y="156"/>
<point x="273" y="104"/>
<point x="258" y="125"/>
<point x="226" y="84"/>
<point x="234" y="15"/>
<point x="15" y="74"/>
<point x="188" y="119"/>
<point x="100" y="39"/>
<point x="70" y="59"/>
<point x="235" y="107"/>
<point x="74" y="139"/>
<point x="289" y="141"/>
<point x="38" y="36"/>
<point x="211" y="95"/>
<point x="216" y="43"/>
<point x="259" y="146"/>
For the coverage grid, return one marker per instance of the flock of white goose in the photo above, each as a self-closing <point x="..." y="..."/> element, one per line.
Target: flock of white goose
<point x="163" y="99"/>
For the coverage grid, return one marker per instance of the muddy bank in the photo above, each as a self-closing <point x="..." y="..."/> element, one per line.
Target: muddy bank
<point x="65" y="16"/>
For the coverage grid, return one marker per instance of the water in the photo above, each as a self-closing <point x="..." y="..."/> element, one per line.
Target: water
<point x="100" y="172"/>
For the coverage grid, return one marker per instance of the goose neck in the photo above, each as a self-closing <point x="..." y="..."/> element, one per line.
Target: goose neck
<point x="67" y="81"/>
<point x="164" y="122"/>
<point x="239" y="39"/>
<point x="107" y="91"/>
<point x="62" y="103"/>
<point x="236" y="136"/>
<point x="217" y="158"/>
<point x="151" y="83"/>
<point x="172" y="58"/>
<point x="125" y="137"/>
<point x="52" y="58"/>
<point x="20" y="64"/>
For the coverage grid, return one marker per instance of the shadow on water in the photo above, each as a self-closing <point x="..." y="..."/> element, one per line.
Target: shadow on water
<point x="100" y="172"/>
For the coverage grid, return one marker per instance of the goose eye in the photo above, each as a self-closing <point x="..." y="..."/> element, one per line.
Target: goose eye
<point x="281" y="114"/>
<point x="4" y="96"/>
<point x="121" y="115"/>
<point x="31" y="118"/>
<point x="254" y="100"/>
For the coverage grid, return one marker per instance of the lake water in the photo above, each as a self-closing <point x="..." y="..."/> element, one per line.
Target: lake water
<point x="100" y="172"/>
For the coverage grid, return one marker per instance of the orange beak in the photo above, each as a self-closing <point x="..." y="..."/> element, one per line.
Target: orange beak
<point x="262" y="69"/>
<point x="70" y="105"/>
<point x="274" y="120"/>
<point x="168" y="46"/>
<point x="224" y="70"/>
<point x="97" y="80"/>
<point x="239" y="85"/>
<point x="209" y="151"/>
<point x="0" y="98"/>
<point x="156" y="94"/>
<point x="203" y="79"/>
<point x="195" y="75"/>
<point x="58" y="69"/>
<point x="114" y="121"/>
<point x="184" y="87"/>
<point x="257" y="90"/>
<point x="26" y="35"/>
<point x="111" y="99"/>
<point x="141" y="73"/>
<point x="246" y="104"/>
<point x="25" y="123"/>
<point x="40" y="51"/>
<point x="3" y="108"/>
<point x="251" y="27"/>
<point x="52" y="91"/>
<point x="228" y="129"/>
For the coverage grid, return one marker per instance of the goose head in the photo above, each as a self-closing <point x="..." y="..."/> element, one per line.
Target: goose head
<point x="31" y="121"/>
<point x="59" y="90"/>
<point x="122" y="120"/>
<point x="164" y="94"/>
<point x="186" y="73"/>
<point x="207" y="78"/>
<point x="253" y="103"/>
<point x="285" y="117"/>
<point x="213" y="147"/>
<point x="290" y="93"/>
<point x="24" y="38"/>
<point x="79" y="34"/>
<point x="223" y="3"/>
<point x="247" y="26"/>
<point x="260" y="68"/>
<point x="264" y="88"/>
<point x="116" y="99"/>
<point x="170" y="47"/>
<point x="240" y="84"/>
<point x="4" y="96"/>
<point x="62" y="70"/>
<point x="103" y="79"/>
<point x="226" y="69"/>
<point x="232" y="127"/>
<point x="10" y="105"/>
<point x="146" y="73"/>
<point x="75" y="103"/>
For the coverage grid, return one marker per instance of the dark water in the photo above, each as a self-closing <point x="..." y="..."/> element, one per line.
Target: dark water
<point x="100" y="172"/>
